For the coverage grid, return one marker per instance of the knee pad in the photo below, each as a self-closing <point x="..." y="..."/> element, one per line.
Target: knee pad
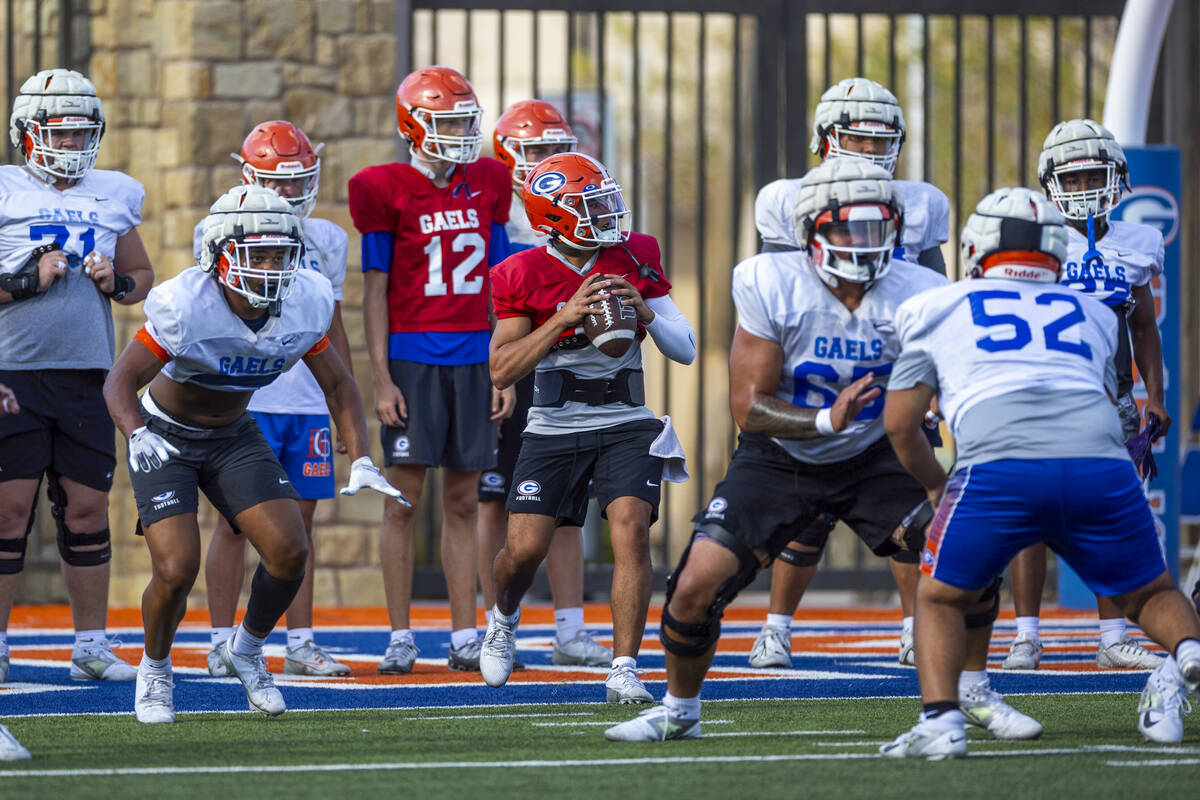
<point x="13" y="566"/>
<point x="709" y="630"/>
<point x="905" y="557"/>
<point x="910" y="533"/>
<point x="817" y="532"/>
<point x="982" y="619"/>
<point x="68" y="540"/>
<point x="800" y="558"/>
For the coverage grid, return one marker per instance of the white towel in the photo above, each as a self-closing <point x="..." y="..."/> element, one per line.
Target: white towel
<point x="668" y="447"/>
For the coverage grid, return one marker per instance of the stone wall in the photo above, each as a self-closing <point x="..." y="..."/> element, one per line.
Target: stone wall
<point x="183" y="81"/>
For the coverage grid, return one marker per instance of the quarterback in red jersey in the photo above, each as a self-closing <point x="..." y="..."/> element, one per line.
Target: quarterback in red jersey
<point x="430" y="229"/>
<point x="588" y="421"/>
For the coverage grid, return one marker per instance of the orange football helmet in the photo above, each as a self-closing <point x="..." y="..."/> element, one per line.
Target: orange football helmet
<point x="439" y="115"/>
<point x="529" y="123"/>
<point x="571" y="197"/>
<point x="278" y="151"/>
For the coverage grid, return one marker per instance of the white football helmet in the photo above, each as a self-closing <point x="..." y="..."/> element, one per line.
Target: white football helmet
<point x="49" y="104"/>
<point x="1016" y="234"/>
<point x="1075" y="146"/>
<point x="848" y="217"/>
<point x="858" y="107"/>
<point x="244" y="221"/>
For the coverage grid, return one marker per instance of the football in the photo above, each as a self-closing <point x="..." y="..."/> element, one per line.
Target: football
<point x="611" y="327"/>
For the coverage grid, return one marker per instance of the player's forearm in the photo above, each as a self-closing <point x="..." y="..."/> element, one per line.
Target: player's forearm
<point x="120" y="395"/>
<point x="1147" y="353"/>
<point x="770" y="416"/>
<point x="514" y="360"/>
<point x="338" y="338"/>
<point x="375" y="324"/>
<point x="345" y="406"/>
<point x="916" y="455"/>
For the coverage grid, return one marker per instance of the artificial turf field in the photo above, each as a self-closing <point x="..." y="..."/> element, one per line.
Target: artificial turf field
<point x="812" y="730"/>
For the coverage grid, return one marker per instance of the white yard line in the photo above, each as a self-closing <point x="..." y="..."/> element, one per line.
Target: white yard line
<point x="573" y="724"/>
<point x="512" y="716"/>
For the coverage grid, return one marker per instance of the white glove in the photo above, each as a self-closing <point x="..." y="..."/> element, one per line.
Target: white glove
<point x="148" y="450"/>
<point x="365" y="475"/>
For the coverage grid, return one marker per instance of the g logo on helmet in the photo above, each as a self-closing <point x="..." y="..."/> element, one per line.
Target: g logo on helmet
<point x="528" y="488"/>
<point x="549" y="183"/>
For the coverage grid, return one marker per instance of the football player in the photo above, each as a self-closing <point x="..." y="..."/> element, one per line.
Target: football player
<point x="1084" y="173"/>
<point x="10" y="748"/>
<point x="856" y="117"/>
<point x="214" y="334"/>
<point x="290" y="411"/>
<point x="430" y="230"/>
<point x="1010" y="356"/>
<point x="589" y="421"/>
<point x="526" y="133"/>
<point x="813" y="347"/>
<point x="69" y="249"/>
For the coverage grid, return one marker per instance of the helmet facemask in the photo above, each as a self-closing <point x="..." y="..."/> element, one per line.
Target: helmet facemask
<point x="523" y="163"/>
<point x="453" y="135"/>
<point x="602" y="219"/>
<point x="260" y="268"/>
<point x="43" y="156"/>
<point x="307" y="182"/>
<point x="877" y="131"/>
<point x="855" y="242"/>
<point x="1082" y="203"/>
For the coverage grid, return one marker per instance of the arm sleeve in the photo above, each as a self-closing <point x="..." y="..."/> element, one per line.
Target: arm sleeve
<point x="939" y="222"/>
<point x="671" y="330"/>
<point x="152" y="345"/>
<point x="753" y="315"/>
<point x="912" y="367"/>
<point x="377" y="248"/>
<point x="1160" y="254"/>
<point x="336" y="264"/>
<point x="499" y="247"/>
<point x="320" y="346"/>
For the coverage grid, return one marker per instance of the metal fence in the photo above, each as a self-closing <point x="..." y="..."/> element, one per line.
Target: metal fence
<point x="694" y="104"/>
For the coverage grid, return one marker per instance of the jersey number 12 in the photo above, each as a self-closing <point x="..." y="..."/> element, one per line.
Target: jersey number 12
<point x="463" y="242"/>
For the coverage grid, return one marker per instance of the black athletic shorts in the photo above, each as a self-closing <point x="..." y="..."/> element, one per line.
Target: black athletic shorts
<point x="63" y="426"/>
<point x="494" y="483"/>
<point x="552" y="473"/>
<point x="448" y="410"/>
<point x="233" y="465"/>
<point x="767" y="498"/>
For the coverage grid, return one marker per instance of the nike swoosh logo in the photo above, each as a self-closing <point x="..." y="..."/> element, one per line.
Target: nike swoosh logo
<point x="283" y="480"/>
<point x="652" y="485"/>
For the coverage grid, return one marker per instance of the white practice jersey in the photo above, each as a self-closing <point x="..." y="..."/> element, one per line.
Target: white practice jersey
<point x="1131" y="255"/>
<point x="297" y="391"/>
<point x="70" y="325"/>
<point x="781" y="298"/>
<point x="1039" y="352"/>
<point x="208" y="345"/>
<point x="926" y="217"/>
<point x="521" y="234"/>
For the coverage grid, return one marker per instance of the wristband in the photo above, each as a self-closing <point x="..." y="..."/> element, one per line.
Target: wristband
<point x="824" y="422"/>
<point x="122" y="285"/>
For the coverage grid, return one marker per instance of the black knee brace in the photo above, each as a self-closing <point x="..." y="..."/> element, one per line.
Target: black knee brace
<point x="68" y="539"/>
<point x="910" y="533"/>
<point x="269" y="599"/>
<point x="709" y="630"/>
<point x="982" y="619"/>
<point x="800" y="558"/>
<point x="905" y="557"/>
<point x="13" y="566"/>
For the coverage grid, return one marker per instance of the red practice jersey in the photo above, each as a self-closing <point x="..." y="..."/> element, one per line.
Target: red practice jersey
<point x="438" y="280"/>
<point x="535" y="284"/>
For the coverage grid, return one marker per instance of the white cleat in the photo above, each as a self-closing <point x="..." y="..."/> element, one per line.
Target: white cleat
<point x="1190" y="670"/>
<point x="497" y="653"/>
<point x="98" y="662"/>
<point x="310" y="659"/>
<point x="1127" y="654"/>
<point x="928" y="741"/>
<point x="908" y="653"/>
<point x="399" y="658"/>
<point x="654" y="725"/>
<point x="10" y="748"/>
<point x="772" y="648"/>
<point x="1025" y="653"/>
<point x="583" y="651"/>
<point x="1163" y="704"/>
<point x="154" y="698"/>
<point x="258" y="683"/>
<point x="986" y="709"/>
<point x="624" y="686"/>
<point x="215" y="667"/>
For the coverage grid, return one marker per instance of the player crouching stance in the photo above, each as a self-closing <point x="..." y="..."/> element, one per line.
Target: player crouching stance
<point x="1041" y="353"/>
<point x="589" y="420"/>
<point x="214" y="334"/>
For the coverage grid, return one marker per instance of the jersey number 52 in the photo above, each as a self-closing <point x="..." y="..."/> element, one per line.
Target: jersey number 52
<point x="1022" y="333"/>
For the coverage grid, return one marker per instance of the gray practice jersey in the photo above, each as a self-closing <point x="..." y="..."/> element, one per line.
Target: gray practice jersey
<point x="70" y="325"/>
<point x="1021" y="369"/>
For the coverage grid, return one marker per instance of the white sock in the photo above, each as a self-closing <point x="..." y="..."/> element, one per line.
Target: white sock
<point x="781" y="621"/>
<point x="1027" y="625"/>
<point x="401" y="635"/>
<point x="506" y="619"/>
<point x="686" y="707"/>
<point x="1111" y="631"/>
<point x="155" y="664"/>
<point x="462" y="636"/>
<point x="220" y="635"/>
<point x="971" y="679"/>
<point x="624" y="661"/>
<point x="1186" y="650"/>
<point x="488" y="616"/>
<point x="568" y="622"/>
<point x="246" y="643"/>
<point x="907" y="624"/>
<point x="90" y="638"/>
<point x="299" y="636"/>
